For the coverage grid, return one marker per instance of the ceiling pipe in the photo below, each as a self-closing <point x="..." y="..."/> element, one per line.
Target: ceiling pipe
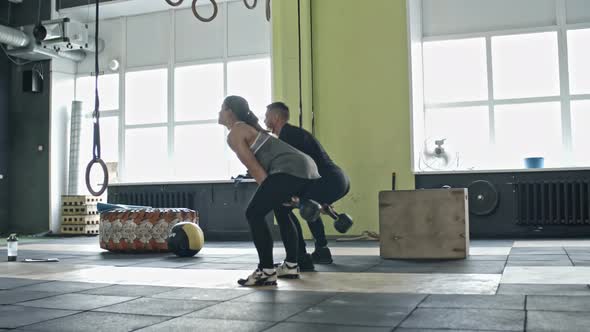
<point x="13" y="37"/>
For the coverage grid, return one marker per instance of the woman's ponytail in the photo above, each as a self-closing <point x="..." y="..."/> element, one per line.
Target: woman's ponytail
<point x="252" y="120"/>
<point x="239" y="106"/>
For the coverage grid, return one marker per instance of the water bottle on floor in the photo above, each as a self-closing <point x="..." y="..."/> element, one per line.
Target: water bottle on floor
<point x="12" y="244"/>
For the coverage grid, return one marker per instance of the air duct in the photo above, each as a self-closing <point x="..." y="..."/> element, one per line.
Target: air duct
<point x="61" y="38"/>
<point x="13" y="37"/>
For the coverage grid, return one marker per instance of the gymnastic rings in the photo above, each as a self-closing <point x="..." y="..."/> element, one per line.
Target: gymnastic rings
<point x="175" y="3"/>
<point x="105" y="181"/>
<point x="250" y="6"/>
<point x="201" y="18"/>
<point x="267" y="10"/>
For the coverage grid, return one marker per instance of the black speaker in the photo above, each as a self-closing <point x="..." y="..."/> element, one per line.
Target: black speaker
<point x="32" y="81"/>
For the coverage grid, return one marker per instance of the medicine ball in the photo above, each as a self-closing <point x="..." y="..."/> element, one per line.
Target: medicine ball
<point x="186" y="239"/>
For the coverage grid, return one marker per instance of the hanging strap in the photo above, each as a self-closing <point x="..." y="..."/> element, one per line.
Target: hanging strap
<point x="96" y="127"/>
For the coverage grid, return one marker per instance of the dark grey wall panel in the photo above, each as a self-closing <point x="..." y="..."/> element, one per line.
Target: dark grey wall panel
<point x="4" y="135"/>
<point x="29" y="180"/>
<point x="28" y="127"/>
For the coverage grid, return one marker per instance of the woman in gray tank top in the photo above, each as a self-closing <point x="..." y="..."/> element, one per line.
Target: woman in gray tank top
<point x="281" y="171"/>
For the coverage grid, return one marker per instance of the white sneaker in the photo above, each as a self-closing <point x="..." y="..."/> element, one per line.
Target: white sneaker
<point x="288" y="270"/>
<point x="259" y="278"/>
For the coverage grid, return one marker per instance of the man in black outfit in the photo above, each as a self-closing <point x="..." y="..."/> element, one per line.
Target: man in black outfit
<point x="333" y="185"/>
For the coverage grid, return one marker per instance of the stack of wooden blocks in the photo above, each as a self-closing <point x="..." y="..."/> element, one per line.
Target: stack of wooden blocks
<point x="80" y="214"/>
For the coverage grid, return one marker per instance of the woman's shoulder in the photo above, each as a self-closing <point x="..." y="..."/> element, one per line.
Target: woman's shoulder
<point x="241" y="128"/>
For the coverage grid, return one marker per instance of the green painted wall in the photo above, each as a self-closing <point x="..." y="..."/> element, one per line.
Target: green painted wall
<point x="360" y="91"/>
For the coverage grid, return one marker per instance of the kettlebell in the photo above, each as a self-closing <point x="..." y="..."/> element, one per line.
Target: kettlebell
<point x="342" y="221"/>
<point x="309" y="209"/>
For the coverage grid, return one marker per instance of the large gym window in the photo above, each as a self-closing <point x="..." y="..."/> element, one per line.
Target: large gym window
<point x="159" y="109"/>
<point x="146" y="154"/>
<point x="198" y="91"/>
<point x="251" y="79"/>
<point x="578" y="42"/>
<point x="146" y="97"/>
<point x="511" y="84"/>
<point x="525" y="66"/>
<point x="455" y="71"/>
<point x="108" y="86"/>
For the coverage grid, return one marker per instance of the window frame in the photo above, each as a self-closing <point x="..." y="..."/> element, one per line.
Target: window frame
<point x="171" y="124"/>
<point x="565" y="96"/>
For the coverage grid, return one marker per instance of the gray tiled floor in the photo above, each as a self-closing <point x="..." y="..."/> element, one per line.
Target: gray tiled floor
<point x="52" y="305"/>
<point x="62" y="287"/>
<point x="76" y="301"/>
<point x="273" y="312"/>
<point x="558" y="303"/>
<point x="538" y="251"/>
<point x="547" y="321"/>
<point x="408" y="301"/>
<point x="200" y="294"/>
<point x="284" y="297"/>
<point x="401" y="329"/>
<point x="129" y="290"/>
<point x="205" y="324"/>
<point x="300" y="327"/>
<point x="16" y="295"/>
<point x="533" y="289"/>
<point x="220" y="266"/>
<point x="361" y="315"/>
<point x="515" y="302"/>
<point x="462" y="266"/>
<point x="540" y="263"/>
<point x="157" y="307"/>
<point x="9" y="283"/>
<point x="486" y="319"/>
<point x="487" y="258"/>
<point x="97" y="321"/>
<point x="17" y="316"/>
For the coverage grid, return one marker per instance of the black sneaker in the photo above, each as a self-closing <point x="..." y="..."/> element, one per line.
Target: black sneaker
<point x="322" y="256"/>
<point x="305" y="263"/>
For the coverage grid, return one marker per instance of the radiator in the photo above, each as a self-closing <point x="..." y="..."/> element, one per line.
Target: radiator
<point x="558" y="202"/>
<point x="158" y="199"/>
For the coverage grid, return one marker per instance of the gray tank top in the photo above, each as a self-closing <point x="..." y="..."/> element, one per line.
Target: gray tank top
<point x="276" y="156"/>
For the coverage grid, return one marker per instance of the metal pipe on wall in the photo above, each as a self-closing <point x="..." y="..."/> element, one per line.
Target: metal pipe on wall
<point x="75" y="133"/>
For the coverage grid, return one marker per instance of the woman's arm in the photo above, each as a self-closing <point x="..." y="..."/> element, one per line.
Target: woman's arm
<point x="237" y="142"/>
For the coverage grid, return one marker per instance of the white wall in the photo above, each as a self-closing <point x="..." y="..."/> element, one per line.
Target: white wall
<point x="111" y="33"/>
<point x="414" y="9"/>
<point x="62" y="94"/>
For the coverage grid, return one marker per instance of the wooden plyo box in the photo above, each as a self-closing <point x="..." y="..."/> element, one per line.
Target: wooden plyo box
<point x="424" y="224"/>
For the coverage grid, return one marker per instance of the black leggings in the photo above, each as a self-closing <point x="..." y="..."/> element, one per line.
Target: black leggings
<point x="330" y="188"/>
<point x="272" y="193"/>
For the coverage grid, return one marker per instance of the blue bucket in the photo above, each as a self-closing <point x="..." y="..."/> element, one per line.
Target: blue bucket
<point x="534" y="162"/>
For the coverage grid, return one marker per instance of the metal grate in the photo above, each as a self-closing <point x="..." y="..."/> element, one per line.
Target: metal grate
<point x="158" y="199"/>
<point x="561" y="202"/>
